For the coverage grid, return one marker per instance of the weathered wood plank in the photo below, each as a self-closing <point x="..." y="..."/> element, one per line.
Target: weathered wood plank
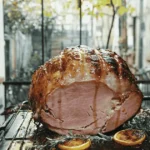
<point x="5" y="145"/>
<point x="32" y="127"/>
<point x="17" y="145"/>
<point x="27" y="145"/>
<point x="16" y="125"/>
<point x="22" y="131"/>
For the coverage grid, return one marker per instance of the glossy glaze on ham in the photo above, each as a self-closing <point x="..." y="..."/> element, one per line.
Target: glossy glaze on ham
<point x="84" y="91"/>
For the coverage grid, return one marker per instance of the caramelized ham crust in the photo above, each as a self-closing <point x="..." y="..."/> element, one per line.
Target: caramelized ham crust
<point x="84" y="91"/>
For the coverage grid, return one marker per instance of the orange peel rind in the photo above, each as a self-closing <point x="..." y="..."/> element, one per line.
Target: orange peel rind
<point x="129" y="137"/>
<point x="75" y="144"/>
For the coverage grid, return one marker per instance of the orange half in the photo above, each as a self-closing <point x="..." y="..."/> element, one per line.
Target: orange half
<point x="75" y="144"/>
<point x="129" y="137"/>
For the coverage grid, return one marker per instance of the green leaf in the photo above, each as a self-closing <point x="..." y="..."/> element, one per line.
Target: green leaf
<point x="132" y="10"/>
<point x="38" y="1"/>
<point x="90" y="13"/>
<point x="47" y="14"/>
<point x="117" y="2"/>
<point x="98" y="7"/>
<point x="103" y="2"/>
<point x="67" y="4"/>
<point x="101" y="14"/>
<point x="122" y="10"/>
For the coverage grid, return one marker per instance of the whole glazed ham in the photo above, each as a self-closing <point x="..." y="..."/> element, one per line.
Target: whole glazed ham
<point x="84" y="91"/>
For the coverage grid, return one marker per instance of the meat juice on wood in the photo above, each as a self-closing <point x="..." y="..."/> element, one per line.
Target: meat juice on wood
<point x="94" y="83"/>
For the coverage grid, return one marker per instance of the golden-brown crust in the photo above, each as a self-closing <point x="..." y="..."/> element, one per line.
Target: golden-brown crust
<point x="78" y="64"/>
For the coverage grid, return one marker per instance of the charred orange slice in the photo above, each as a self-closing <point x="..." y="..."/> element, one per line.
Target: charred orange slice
<point x="75" y="144"/>
<point x="129" y="137"/>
